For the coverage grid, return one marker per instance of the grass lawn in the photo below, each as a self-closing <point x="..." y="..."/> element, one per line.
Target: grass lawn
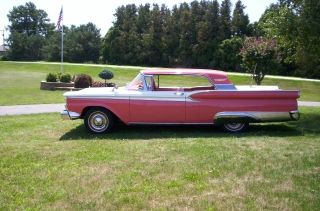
<point x="47" y="163"/>
<point x="20" y="82"/>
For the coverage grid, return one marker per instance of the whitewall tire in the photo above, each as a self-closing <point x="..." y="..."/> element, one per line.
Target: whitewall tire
<point x="98" y="120"/>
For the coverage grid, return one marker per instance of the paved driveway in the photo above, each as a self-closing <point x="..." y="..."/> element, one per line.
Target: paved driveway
<point x="30" y="109"/>
<point x="309" y="103"/>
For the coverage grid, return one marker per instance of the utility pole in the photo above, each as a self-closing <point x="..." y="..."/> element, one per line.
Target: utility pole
<point x="62" y="47"/>
<point x="60" y="28"/>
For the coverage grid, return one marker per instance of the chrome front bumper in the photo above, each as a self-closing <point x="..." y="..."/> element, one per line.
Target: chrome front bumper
<point x="295" y="115"/>
<point x="65" y="114"/>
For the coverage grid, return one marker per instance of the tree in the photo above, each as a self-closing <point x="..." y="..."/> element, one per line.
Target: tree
<point x="29" y="29"/>
<point x="83" y="43"/>
<point x="187" y="37"/>
<point x="122" y="43"/>
<point x="51" y="51"/>
<point x="225" y="20"/>
<point x="201" y="49"/>
<point x="240" y="20"/>
<point x="167" y="33"/>
<point x="259" y="56"/>
<point x="295" y="24"/>
<point x="171" y="38"/>
<point x="143" y="27"/>
<point x="253" y="30"/>
<point x="308" y="49"/>
<point x="228" y="54"/>
<point x="112" y="48"/>
<point x="155" y="32"/>
<point x="280" y="23"/>
<point x="143" y="19"/>
<point x="212" y="17"/>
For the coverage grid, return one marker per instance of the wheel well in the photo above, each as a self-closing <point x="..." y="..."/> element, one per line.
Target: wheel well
<point x="86" y="109"/>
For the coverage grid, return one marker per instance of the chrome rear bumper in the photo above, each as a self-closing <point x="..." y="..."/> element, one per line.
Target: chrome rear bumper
<point x="65" y="114"/>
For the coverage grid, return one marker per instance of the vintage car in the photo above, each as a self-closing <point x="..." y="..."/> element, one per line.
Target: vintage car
<point x="181" y="96"/>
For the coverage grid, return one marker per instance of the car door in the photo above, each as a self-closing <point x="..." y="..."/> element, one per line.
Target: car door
<point x="154" y="106"/>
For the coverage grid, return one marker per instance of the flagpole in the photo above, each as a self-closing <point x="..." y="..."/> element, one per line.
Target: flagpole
<point x="62" y="41"/>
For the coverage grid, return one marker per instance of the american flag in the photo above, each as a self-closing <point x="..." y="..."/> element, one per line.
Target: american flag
<point x="60" y="19"/>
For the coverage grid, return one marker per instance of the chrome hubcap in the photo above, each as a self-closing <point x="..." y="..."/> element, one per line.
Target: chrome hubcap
<point x="234" y="126"/>
<point x="98" y="121"/>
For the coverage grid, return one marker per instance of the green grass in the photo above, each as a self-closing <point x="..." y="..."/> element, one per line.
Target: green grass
<point x="47" y="163"/>
<point x="20" y="82"/>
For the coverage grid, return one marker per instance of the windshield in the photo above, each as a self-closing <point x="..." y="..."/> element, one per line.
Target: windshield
<point x="136" y="83"/>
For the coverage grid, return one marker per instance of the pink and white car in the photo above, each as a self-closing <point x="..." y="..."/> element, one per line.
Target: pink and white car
<point x="181" y="96"/>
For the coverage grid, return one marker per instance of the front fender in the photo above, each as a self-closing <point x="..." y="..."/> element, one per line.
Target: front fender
<point x="119" y="107"/>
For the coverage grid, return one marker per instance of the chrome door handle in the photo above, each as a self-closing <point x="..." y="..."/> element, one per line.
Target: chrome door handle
<point x="179" y="93"/>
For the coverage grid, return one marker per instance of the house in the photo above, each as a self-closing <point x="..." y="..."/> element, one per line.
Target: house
<point x="3" y="49"/>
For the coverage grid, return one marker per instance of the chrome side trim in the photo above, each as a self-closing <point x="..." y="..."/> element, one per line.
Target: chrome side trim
<point x="65" y="114"/>
<point x="99" y="97"/>
<point x="232" y="115"/>
<point x="149" y="98"/>
<point x="165" y="123"/>
<point x="254" y="116"/>
<point x="176" y="98"/>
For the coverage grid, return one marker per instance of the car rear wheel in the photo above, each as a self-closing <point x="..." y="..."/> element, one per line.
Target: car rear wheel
<point x="236" y="127"/>
<point x="98" y="120"/>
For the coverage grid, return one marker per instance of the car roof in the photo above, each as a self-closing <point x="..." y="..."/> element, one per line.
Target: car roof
<point x="216" y="76"/>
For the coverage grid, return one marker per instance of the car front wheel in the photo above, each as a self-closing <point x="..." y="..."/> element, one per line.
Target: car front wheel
<point x="236" y="127"/>
<point x="98" y="120"/>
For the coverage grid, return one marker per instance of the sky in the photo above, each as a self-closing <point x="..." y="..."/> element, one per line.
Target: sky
<point x="100" y="12"/>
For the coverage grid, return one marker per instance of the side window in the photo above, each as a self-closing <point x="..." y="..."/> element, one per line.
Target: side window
<point x="183" y="81"/>
<point x="149" y="82"/>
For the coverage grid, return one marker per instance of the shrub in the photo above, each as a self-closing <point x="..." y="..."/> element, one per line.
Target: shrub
<point x="51" y="77"/>
<point x="59" y="75"/>
<point x="106" y="75"/>
<point x="98" y="84"/>
<point x="101" y="84"/>
<point x="82" y="81"/>
<point x="65" y="78"/>
<point x="4" y="58"/>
